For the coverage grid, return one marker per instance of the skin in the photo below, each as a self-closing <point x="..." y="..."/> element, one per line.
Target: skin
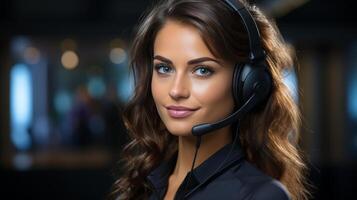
<point x="205" y="86"/>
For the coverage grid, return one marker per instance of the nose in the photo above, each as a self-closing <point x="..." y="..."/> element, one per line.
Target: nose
<point x="180" y="87"/>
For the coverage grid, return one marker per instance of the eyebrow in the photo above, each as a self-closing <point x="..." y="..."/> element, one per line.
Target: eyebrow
<point x="190" y="62"/>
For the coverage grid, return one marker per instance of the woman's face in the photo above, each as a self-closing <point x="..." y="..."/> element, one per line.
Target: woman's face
<point x="186" y="74"/>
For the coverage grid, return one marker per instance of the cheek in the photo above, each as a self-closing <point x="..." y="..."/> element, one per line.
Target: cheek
<point x="213" y="90"/>
<point x="216" y="95"/>
<point x="211" y="93"/>
<point x="159" y="91"/>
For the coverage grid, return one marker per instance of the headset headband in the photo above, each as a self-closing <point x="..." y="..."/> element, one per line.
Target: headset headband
<point x="257" y="53"/>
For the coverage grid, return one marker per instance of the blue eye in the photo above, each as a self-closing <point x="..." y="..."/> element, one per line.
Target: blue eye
<point x="162" y="68"/>
<point x="204" y="71"/>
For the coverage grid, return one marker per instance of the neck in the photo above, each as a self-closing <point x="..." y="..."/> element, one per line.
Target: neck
<point x="210" y="144"/>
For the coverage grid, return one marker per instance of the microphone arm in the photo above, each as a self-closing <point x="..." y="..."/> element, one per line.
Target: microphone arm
<point x="205" y="128"/>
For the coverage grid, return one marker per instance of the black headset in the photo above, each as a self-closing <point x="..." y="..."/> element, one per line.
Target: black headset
<point x="252" y="82"/>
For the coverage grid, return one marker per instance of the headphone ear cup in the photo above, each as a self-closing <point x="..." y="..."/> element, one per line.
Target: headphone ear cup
<point x="255" y="79"/>
<point x="249" y="79"/>
<point x="236" y="87"/>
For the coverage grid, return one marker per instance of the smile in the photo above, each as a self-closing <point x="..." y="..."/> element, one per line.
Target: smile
<point x="179" y="112"/>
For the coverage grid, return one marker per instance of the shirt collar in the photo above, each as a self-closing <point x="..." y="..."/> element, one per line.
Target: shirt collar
<point x="159" y="176"/>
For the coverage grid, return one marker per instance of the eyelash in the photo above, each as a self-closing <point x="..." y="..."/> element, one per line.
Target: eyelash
<point x="160" y="65"/>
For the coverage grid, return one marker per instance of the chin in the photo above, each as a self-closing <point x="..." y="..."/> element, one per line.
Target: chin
<point x="179" y="129"/>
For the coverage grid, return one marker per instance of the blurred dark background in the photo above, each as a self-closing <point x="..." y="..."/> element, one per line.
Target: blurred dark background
<point x="64" y="81"/>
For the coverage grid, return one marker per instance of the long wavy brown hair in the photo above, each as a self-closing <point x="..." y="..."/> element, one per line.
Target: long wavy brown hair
<point x="269" y="138"/>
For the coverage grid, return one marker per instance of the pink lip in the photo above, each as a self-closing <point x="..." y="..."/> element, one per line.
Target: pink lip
<point x="179" y="111"/>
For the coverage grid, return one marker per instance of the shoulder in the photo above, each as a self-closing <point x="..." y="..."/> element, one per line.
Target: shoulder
<point x="259" y="186"/>
<point x="271" y="190"/>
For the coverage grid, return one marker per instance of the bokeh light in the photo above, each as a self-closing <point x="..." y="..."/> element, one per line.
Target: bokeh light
<point x="69" y="60"/>
<point x="96" y="87"/>
<point x="68" y="44"/>
<point x="117" y="55"/>
<point x="21" y="106"/>
<point x="32" y="55"/>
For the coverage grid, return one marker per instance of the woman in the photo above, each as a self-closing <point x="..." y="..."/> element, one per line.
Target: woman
<point x="184" y="56"/>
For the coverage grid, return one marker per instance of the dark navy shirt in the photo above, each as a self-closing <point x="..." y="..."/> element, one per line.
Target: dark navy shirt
<point x="236" y="179"/>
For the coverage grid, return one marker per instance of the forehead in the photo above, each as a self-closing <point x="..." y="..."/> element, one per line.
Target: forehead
<point x="179" y="38"/>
